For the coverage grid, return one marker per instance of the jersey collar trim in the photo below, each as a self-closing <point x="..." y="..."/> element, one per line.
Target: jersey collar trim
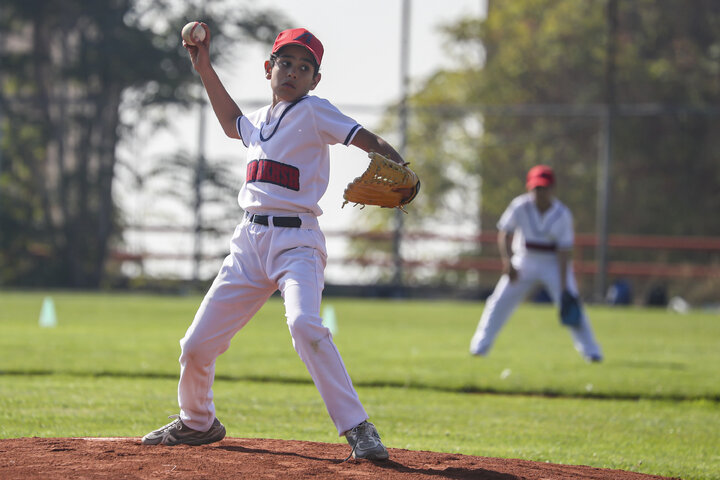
<point x="546" y="222"/>
<point x="287" y="109"/>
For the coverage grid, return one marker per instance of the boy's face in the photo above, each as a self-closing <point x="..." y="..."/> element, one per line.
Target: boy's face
<point x="543" y="195"/>
<point x="293" y="74"/>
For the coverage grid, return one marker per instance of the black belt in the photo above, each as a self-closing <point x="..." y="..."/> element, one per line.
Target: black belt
<point x="543" y="247"/>
<point x="291" y="222"/>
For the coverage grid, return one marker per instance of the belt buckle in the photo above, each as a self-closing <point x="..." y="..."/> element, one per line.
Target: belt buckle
<point x="258" y="219"/>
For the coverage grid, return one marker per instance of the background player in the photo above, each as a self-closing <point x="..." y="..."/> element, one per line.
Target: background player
<point x="278" y="244"/>
<point x="535" y="239"/>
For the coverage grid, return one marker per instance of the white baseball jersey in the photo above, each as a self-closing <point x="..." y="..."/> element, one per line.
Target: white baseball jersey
<point x="290" y="176"/>
<point x="536" y="233"/>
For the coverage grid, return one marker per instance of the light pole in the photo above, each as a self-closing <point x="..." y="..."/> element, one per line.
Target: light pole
<point x="403" y="114"/>
<point x="199" y="179"/>
<point x="605" y="160"/>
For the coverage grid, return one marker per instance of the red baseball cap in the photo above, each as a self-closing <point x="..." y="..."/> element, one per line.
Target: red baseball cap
<point x="302" y="37"/>
<point x="540" y="176"/>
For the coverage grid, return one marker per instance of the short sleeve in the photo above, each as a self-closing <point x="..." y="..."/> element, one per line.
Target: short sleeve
<point x="508" y="220"/>
<point x="245" y="129"/>
<point x="333" y="126"/>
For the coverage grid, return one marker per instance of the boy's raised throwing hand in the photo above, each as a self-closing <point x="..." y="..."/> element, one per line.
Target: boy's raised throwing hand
<point x="200" y="52"/>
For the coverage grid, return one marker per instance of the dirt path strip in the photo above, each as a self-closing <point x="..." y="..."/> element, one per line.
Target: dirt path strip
<point x="233" y="458"/>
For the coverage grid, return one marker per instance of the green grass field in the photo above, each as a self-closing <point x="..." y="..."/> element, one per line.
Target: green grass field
<point x="109" y="368"/>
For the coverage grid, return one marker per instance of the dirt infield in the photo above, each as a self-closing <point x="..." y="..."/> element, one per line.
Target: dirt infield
<point x="90" y="458"/>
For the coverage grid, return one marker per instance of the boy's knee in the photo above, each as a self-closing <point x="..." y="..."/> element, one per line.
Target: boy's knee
<point x="193" y="351"/>
<point x="306" y="328"/>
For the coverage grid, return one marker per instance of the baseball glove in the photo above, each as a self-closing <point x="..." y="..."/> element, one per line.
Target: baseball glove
<point x="384" y="183"/>
<point x="569" y="310"/>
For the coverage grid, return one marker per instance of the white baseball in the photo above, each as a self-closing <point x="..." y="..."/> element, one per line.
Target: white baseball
<point x="193" y="32"/>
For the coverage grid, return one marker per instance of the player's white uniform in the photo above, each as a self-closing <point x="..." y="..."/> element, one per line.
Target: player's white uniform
<point x="536" y="239"/>
<point x="288" y="168"/>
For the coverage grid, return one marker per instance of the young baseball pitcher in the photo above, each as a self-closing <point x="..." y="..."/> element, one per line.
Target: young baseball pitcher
<point x="278" y="244"/>
<point x="535" y="240"/>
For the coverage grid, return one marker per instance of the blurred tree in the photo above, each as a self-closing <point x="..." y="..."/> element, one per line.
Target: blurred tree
<point x="552" y="53"/>
<point x="529" y="87"/>
<point x="67" y="68"/>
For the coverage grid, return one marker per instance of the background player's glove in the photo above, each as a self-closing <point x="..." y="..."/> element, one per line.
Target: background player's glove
<point x="569" y="310"/>
<point x="384" y="183"/>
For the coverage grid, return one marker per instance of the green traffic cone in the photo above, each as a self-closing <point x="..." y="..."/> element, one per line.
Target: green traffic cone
<point x="48" y="318"/>
<point x="329" y="319"/>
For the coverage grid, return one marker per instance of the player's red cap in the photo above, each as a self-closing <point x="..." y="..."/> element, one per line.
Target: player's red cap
<point x="540" y="176"/>
<point x="302" y="37"/>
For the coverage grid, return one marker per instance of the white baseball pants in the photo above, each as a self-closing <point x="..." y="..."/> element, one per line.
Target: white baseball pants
<point x="262" y="260"/>
<point x="536" y="269"/>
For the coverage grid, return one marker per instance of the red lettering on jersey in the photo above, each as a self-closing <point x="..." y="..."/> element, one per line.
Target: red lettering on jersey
<point x="270" y="171"/>
<point x="252" y="169"/>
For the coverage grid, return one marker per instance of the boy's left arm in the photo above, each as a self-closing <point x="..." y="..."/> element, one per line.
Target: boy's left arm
<point x="563" y="257"/>
<point x="369" y="142"/>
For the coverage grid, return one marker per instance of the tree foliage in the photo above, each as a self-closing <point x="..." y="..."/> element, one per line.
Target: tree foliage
<point x="68" y="67"/>
<point x="531" y="83"/>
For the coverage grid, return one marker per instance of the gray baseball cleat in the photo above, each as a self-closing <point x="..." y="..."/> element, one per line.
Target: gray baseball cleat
<point x="365" y="442"/>
<point x="177" y="433"/>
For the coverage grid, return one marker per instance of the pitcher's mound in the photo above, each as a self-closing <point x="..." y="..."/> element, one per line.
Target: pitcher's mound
<point x="233" y="458"/>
